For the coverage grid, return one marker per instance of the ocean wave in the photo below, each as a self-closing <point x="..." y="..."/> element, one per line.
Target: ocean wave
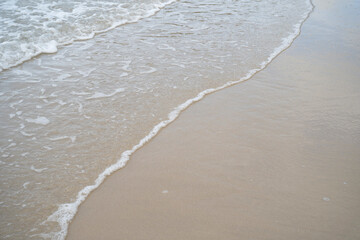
<point x="30" y="28"/>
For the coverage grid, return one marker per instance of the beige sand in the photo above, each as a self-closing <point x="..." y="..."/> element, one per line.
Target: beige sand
<point x="277" y="157"/>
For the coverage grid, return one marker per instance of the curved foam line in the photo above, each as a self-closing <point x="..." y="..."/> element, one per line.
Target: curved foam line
<point x="66" y="212"/>
<point x="55" y="45"/>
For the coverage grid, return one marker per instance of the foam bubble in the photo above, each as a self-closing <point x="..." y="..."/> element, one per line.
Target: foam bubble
<point x="103" y="95"/>
<point x="326" y="199"/>
<point x="124" y="74"/>
<point x="60" y="102"/>
<point x="80" y="93"/>
<point x="166" y="47"/>
<point x="50" y="47"/>
<point x="38" y="120"/>
<point x="25" y="185"/>
<point x="80" y="108"/>
<point x="72" y="138"/>
<point x="26" y="134"/>
<point x="149" y="70"/>
<point x="38" y="170"/>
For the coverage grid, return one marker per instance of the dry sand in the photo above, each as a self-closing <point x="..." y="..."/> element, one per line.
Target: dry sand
<point x="276" y="157"/>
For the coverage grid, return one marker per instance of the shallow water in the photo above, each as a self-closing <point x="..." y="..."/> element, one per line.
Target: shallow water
<point x="29" y="28"/>
<point x="66" y="117"/>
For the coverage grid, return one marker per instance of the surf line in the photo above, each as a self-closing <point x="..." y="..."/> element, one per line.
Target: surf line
<point x="67" y="211"/>
<point x="53" y="46"/>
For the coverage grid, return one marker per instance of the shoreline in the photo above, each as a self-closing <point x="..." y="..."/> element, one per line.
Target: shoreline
<point x="134" y="169"/>
<point x="67" y="211"/>
<point x="97" y="98"/>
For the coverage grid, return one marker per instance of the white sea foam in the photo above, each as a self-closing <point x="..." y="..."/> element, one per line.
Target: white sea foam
<point x="80" y="93"/>
<point x="60" y="102"/>
<point x="72" y="138"/>
<point x="9" y="146"/>
<point x="25" y="185"/>
<point x="166" y="47"/>
<point x="59" y="138"/>
<point x="87" y="73"/>
<point x="124" y="74"/>
<point x="49" y="47"/>
<point x="26" y="134"/>
<point x="103" y="95"/>
<point x="80" y="108"/>
<point x="179" y="65"/>
<point x="149" y="70"/>
<point x="126" y="66"/>
<point x="38" y="170"/>
<point x="67" y="211"/>
<point x="38" y="120"/>
<point x="62" y="77"/>
<point x="43" y="27"/>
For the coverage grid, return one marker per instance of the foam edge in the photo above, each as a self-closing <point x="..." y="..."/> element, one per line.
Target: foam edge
<point x="52" y="46"/>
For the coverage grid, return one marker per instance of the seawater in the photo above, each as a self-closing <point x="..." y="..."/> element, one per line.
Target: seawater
<point x="31" y="27"/>
<point x="85" y="84"/>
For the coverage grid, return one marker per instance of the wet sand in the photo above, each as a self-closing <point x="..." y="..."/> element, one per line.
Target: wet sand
<point x="276" y="157"/>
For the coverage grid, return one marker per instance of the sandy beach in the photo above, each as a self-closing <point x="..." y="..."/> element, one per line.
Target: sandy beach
<point x="234" y="166"/>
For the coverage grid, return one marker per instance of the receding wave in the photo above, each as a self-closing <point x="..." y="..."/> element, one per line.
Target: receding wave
<point x="30" y="28"/>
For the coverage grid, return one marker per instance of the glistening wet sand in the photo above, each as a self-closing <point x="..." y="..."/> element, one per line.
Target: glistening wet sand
<point x="276" y="157"/>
